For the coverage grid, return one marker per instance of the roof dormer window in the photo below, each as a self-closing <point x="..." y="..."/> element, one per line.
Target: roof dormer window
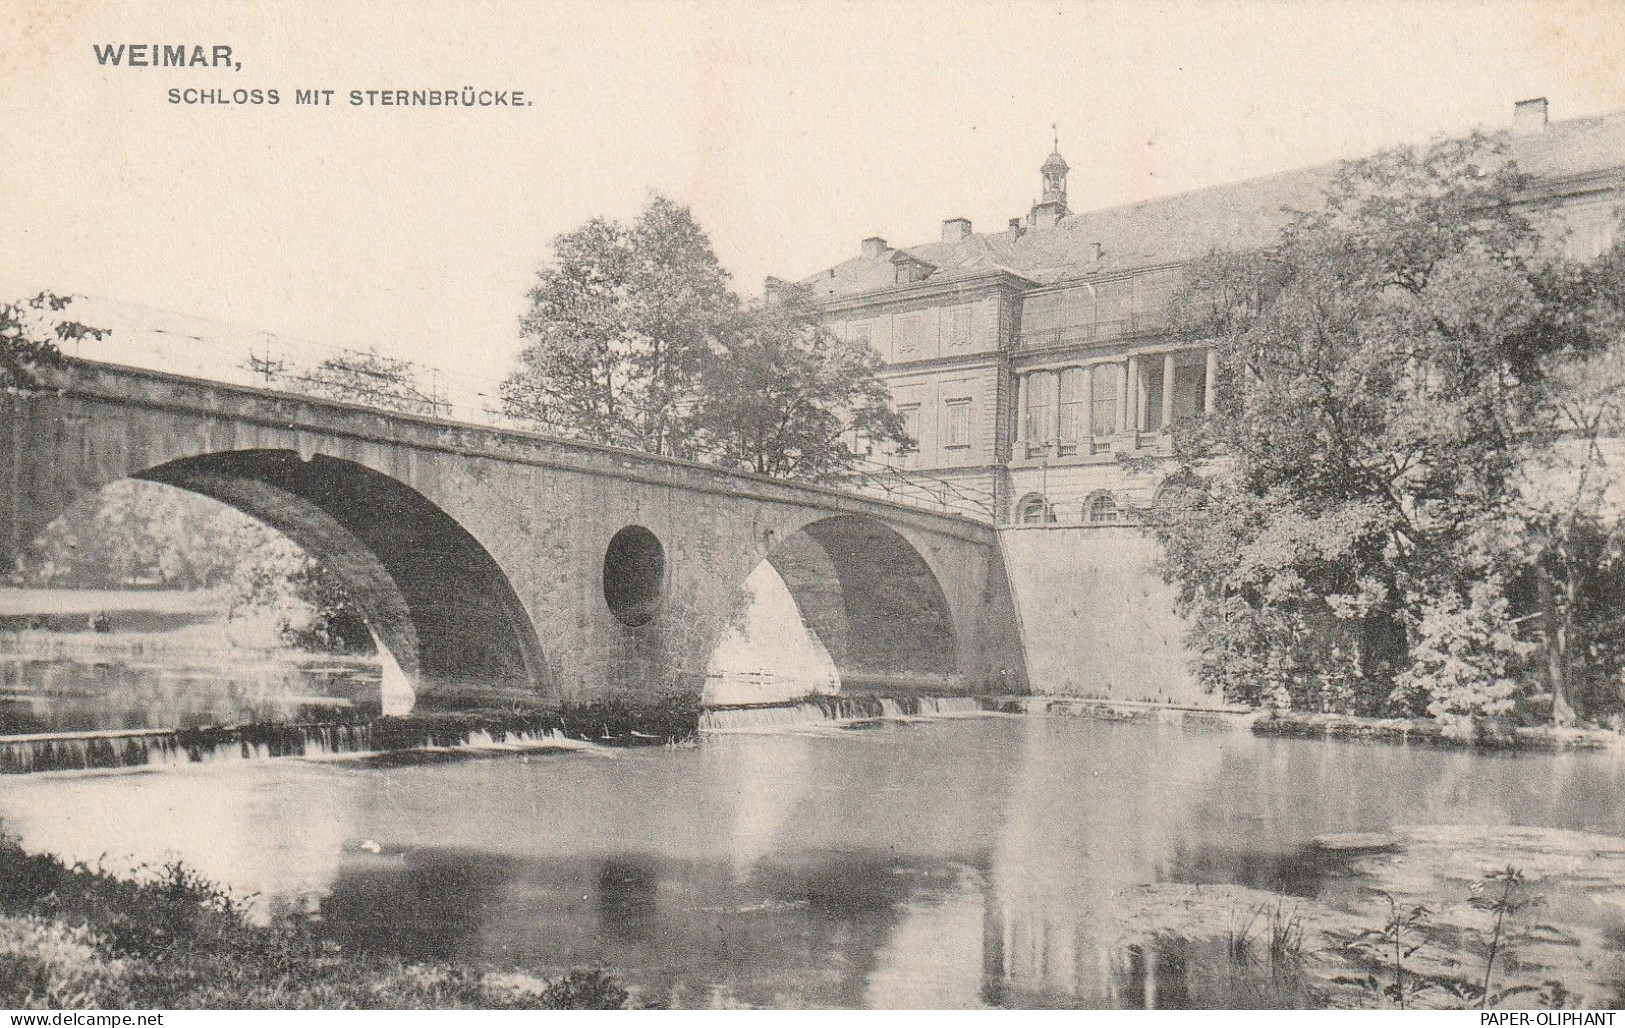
<point x="910" y="269"/>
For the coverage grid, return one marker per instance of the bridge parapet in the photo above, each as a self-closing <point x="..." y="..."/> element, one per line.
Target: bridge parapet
<point x="163" y="343"/>
<point x="326" y="417"/>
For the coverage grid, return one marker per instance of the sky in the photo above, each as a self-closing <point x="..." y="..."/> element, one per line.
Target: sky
<point x="793" y="130"/>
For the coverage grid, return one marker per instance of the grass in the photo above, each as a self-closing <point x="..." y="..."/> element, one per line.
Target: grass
<point x="1263" y="963"/>
<point x="80" y="937"/>
<point x="1280" y="953"/>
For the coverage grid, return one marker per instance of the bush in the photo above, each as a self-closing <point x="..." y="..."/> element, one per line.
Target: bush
<point x="168" y="938"/>
<point x="588" y="989"/>
<point x="1466" y="660"/>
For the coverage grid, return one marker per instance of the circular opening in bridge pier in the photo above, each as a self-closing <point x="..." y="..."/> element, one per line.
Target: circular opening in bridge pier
<point x="634" y="575"/>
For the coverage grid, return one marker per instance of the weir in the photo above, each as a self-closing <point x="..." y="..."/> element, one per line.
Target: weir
<point x="20" y="754"/>
<point x="23" y="754"/>
<point x="836" y="708"/>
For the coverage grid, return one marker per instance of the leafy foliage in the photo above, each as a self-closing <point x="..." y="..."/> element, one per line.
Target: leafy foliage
<point x="1503" y="894"/>
<point x="276" y="581"/>
<point x="1401" y="938"/>
<point x="1394" y="381"/>
<point x="1465" y="658"/>
<point x="29" y="333"/>
<point x="636" y="340"/>
<point x="787" y="397"/>
<point x="357" y="376"/>
<point x="620" y="327"/>
<point x="134" y="533"/>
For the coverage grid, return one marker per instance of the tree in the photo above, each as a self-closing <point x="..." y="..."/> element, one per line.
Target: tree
<point x="1569" y="534"/>
<point x="138" y="533"/>
<point x="277" y="584"/>
<point x="355" y="376"/>
<point x="1383" y="388"/>
<point x="620" y="327"/>
<point x="784" y="396"/>
<point x="29" y="334"/>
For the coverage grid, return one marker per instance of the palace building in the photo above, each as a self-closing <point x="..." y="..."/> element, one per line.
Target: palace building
<point x="1028" y="360"/>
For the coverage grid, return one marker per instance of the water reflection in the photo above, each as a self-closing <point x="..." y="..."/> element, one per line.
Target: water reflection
<point x="178" y="689"/>
<point x="999" y="861"/>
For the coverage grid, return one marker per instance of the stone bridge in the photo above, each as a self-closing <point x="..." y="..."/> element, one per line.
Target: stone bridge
<point x="502" y="566"/>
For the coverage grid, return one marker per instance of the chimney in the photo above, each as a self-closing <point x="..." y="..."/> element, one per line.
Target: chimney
<point x="955" y="230"/>
<point x="773" y="290"/>
<point x="1529" y="117"/>
<point x="875" y="246"/>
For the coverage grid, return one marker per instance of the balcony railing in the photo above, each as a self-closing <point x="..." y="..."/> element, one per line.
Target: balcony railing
<point x="1137" y="323"/>
<point x="1144" y="443"/>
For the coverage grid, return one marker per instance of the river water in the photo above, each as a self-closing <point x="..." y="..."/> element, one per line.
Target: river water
<point x="86" y="691"/>
<point x="953" y="862"/>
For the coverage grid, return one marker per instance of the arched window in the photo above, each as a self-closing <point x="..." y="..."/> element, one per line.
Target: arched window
<point x="1101" y="509"/>
<point x="1034" y="510"/>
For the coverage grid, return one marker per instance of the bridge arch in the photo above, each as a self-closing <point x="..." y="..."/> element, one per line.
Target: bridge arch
<point x="430" y="593"/>
<point x="872" y="602"/>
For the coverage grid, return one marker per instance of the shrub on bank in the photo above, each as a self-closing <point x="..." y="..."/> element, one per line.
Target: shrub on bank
<point x="167" y="938"/>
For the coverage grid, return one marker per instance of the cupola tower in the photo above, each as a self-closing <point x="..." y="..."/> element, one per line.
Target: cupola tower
<point x="1051" y="207"/>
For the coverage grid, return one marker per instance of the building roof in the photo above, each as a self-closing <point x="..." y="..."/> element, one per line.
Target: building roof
<point x="1173" y="229"/>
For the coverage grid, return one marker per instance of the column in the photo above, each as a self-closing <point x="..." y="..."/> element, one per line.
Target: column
<point x="1167" y="391"/>
<point x="1086" y="424"/>
<point x="1018" y="446"/>
<point x="1135" y="407"/>
<point x="1210" y="375"/>
<point x="1055" y="411"/>
<point x="1122" y="374"/>
<point x="1055" y="414"/>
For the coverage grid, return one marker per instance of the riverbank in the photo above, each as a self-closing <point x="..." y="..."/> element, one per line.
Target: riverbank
<point x="82" y="938"/>
<point x="1426" y="731"/>
<point x="122" y="610"/>
<point x="43" y="624"/>
<point x="1445" y="917"/>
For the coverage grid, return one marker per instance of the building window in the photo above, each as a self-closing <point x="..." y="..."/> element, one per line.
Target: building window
<point x="1035" y="510"/>
<point x="911" y="271"/>
<point x="1071" y="402"/>
<point x="1151" y="411"/>
<point x="910" y="413"/>
<point x="910" y="330"/>
<point x="1103" y="398"/>
<point x="959" y="328"/>
<point x="1040" y="424"/>
<point x="1101" y="509"/>
<point x="861" y="332"/>
<point x="1188" y="385"/>
<point x="857" y="442"/>
<point x="957" y="423"/>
